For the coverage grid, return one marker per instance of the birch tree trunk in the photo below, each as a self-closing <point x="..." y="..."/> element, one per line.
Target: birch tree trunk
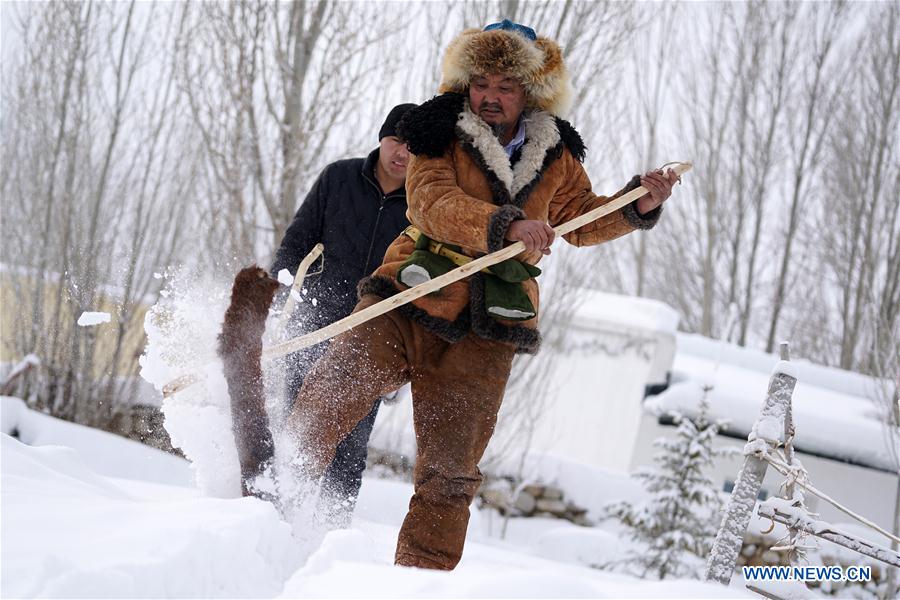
<point x="810" y="130"/>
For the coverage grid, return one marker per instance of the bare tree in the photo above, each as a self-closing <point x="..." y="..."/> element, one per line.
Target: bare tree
<point x="858" y="225"/>
<point x="97" y="197"/>
<point x="809" y="125"/>
<point x="646" y="98"/>
<point x="273" y="89"/>
<point x="696" y="232"/>
<point x="755" y="98"/>
<point x="774" y="34"/>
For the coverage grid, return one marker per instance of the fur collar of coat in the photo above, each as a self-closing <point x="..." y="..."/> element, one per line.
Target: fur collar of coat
<point x="431" y="128"/>
<point x="464" y="190"/>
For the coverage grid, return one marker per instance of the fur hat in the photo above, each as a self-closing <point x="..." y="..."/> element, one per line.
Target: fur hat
<point x="537" y="65"/>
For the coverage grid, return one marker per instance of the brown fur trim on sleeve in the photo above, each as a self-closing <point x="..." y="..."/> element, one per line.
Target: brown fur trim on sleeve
<point x="499" y="224"/>
<point x="634" y="218"/>
<point x="240" y="347"/>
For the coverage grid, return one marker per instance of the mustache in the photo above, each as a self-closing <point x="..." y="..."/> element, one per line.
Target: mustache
<point x="490" y="106"/>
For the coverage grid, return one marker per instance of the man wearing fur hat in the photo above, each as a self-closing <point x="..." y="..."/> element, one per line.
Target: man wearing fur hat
<point x="493" y="162"/>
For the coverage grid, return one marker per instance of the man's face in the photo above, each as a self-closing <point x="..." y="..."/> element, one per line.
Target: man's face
<point x="393" y="156"/>
<point x="499" y="100"/>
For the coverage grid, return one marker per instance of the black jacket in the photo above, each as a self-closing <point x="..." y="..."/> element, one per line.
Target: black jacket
<point x="346" y="211"/>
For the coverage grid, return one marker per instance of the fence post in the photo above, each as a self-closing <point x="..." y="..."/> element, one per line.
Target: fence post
<point x="793" y="533"/>
<point x="767" y="433"/>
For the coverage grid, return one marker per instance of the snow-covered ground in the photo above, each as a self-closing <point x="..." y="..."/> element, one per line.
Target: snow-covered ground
<point x="88" y="514"/>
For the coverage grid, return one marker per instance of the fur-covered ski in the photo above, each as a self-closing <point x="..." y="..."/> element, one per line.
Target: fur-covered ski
<point x="240" y="347"/>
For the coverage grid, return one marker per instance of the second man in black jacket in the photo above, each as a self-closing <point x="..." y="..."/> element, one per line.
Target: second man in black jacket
<point x="356" y="208"/>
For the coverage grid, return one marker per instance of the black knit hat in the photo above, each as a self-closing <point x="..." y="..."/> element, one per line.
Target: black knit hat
<point x="390" y="123"/>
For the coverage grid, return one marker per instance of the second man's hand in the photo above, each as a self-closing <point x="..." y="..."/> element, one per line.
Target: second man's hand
<point x="536" y="235"/>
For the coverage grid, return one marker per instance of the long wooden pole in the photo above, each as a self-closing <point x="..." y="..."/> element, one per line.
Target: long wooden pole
<point x="407" y="296"/>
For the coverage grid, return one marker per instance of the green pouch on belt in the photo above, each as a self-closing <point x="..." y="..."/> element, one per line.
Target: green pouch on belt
<point x="423" y="265"/>
<point x="506" y="300"/>
<point x="504" y="296"/>
<point x="514" y="271"/>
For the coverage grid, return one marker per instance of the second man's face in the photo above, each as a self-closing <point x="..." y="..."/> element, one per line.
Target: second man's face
<point x="497" y="99"/>
<point x="394" y="156"/>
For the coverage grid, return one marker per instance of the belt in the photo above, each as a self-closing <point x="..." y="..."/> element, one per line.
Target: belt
<point x="440" y="248"/>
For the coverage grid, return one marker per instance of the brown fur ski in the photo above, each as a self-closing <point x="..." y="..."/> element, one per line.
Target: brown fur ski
<point x="240" y="347"/>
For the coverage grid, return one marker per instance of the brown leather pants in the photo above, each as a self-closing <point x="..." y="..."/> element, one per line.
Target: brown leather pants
<point x="457" y="390"/>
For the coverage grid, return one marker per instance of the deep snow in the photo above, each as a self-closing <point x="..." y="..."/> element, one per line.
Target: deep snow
<point x="88" y="514"/>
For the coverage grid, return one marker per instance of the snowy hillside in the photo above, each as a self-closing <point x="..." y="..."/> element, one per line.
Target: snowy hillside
<point x="86" y="514"/>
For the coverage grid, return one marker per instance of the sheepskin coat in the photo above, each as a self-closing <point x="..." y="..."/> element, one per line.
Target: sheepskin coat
<point x="462" y="189"/>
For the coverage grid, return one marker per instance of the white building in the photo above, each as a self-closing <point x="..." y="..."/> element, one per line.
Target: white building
<point x="615" y="348"/>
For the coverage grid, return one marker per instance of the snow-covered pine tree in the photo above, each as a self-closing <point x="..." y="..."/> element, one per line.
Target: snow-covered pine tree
<point x="678" y="521"/>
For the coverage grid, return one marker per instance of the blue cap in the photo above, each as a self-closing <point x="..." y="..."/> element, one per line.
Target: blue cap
<point x="508" y="25"/>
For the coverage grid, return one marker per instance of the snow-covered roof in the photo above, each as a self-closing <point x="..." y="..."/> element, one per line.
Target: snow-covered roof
<point x="600" y="309"/>
<point x="836" y="412"/>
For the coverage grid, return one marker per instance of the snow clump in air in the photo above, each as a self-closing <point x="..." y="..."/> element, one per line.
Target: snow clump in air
<point x="87" y="319"/>
<point x="182" y="330"/>
<point x="285" y="278"/>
